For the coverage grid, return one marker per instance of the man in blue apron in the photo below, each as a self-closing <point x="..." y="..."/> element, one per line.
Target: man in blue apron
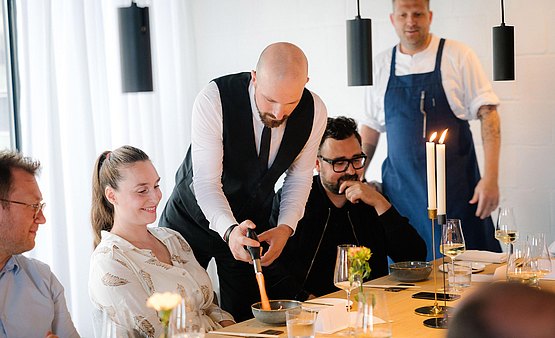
<point x="428" y="84"/>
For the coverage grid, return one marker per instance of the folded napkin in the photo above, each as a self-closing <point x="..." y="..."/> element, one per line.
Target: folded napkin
<point x="332" y="318"/>
<point x="482" y="256"/>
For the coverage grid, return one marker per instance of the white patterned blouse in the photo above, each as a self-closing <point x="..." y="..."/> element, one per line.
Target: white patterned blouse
<point x="122" y="277"/>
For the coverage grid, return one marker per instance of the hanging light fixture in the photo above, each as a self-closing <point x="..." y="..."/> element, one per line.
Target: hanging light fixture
<point x="134" y="39"/>
<point x="503" y="50"/>
<point x="359" y="50"/>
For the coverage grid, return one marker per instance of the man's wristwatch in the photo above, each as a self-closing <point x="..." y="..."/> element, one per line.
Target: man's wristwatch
<point x="228" y="232"/>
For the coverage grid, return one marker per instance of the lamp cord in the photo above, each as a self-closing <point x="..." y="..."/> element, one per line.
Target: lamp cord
<point x="358" y="8"/>
<point x="502" y="13"/>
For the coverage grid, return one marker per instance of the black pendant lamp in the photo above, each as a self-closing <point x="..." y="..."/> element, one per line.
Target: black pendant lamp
<point x="359" y="50"/>
<point x="503" y="50"/>
<point x="134" y="37"/>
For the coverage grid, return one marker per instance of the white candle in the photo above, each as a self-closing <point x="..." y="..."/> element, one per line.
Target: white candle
<point x="431" y="171"/>
<point x="440" y="148"/>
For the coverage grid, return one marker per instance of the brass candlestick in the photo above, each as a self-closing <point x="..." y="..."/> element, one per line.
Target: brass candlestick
<point x="435" y="310"/>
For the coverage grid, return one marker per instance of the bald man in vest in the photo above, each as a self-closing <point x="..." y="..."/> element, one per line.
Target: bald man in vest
<point x="247" y="130"/>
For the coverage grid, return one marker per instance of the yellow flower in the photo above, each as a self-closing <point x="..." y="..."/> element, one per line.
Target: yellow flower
<point x="358" y="258"/>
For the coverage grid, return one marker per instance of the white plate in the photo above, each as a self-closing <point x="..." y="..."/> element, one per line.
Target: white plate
<point x="476" y="266"/>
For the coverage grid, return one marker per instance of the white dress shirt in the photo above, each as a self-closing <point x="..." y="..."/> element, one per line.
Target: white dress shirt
<point x="465" y="84"/>
<point x="207" y="158"/>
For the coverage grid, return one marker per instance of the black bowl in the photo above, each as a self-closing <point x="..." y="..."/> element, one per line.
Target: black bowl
<point x="412" y="271"/>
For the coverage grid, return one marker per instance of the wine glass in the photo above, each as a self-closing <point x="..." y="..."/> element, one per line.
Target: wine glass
<point x="452" y="242"/>
<point x="539" y="253"/>
<point x="505" y="230"/>
<point x="343" y="277"/>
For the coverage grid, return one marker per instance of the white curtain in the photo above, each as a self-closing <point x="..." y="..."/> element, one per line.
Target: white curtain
<point x="72" y="109"/>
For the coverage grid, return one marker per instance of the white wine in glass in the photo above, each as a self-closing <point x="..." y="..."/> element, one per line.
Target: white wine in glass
<point x="505" y="229"/>
<point x="342" y="276"/>
<point x="452" y="243"/>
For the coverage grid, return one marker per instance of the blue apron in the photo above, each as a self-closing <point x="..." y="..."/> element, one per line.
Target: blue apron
<point x="404" y="169"/>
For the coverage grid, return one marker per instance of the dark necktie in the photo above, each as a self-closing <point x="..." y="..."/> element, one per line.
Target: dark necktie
<point x="264" y="149"/>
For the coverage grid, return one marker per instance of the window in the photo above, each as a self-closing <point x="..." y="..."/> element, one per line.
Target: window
<point x="8" y="118"/>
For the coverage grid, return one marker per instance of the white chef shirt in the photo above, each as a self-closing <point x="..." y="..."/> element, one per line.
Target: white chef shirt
<point x="465" y="84"/>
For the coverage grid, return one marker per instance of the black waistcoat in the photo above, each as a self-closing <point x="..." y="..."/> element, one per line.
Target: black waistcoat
<point x="248" y="192"/>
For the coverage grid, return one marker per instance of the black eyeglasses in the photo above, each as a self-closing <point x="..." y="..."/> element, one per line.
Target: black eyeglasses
<point x="37" y="206"/>
<point x="341" y="165"/>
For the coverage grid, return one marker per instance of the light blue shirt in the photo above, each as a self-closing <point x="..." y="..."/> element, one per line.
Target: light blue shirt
<point x="32" y="301"/>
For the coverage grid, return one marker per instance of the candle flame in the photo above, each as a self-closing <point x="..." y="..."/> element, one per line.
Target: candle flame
<point x="442" y="138"/>
<point x="433" y="137"/>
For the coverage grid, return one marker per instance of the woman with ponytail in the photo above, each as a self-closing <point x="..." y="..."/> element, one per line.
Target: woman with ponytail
<point x="131" y="261"/>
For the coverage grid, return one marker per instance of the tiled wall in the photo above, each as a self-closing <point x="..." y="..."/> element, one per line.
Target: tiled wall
<point x="231" y="33"/>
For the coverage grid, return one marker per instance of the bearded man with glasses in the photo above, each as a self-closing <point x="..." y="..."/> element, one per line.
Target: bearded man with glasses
<point x="32" y="301"/>
<point x="342" y="209"/>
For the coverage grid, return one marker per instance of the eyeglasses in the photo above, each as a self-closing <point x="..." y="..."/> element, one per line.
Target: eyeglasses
<point x="342" y="165"/>
<point x="37" y="206"/>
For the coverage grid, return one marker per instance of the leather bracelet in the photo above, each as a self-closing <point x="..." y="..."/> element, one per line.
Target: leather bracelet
<point x="228" y="232"/>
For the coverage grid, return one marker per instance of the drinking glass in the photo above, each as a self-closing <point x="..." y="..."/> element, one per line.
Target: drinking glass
<point x="343" y="278"/>
<point x="372" y="315"/>
<point x="452" y="241"/>
<point x="185" y="322"/>
<point x="520" y="266"/>
<point x="301" y="323"/>
<point x="505" y="229"/>
<point x="540" y="254"/>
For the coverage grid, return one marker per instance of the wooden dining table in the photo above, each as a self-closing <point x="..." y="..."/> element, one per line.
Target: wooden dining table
<point x="401" y="306"/>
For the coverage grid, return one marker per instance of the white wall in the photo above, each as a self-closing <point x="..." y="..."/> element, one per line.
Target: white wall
<point x="230" y="35"/>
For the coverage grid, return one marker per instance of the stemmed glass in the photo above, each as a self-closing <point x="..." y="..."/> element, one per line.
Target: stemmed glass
<point x="506" y="230"/>
<point x="452" y="241"/>
<point x="540" y="254"/>
<point x="342" y="277"/>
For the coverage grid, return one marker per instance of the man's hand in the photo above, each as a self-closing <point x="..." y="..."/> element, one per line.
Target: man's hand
<point x="49" y="334"/>
<point x="486" y="194"/>
<point x="356" y="191"/>
<point x="277" y="238"/>
<point x="238" y="240"/>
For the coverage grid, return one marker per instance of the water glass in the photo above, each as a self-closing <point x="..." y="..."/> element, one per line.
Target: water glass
<point x="459" y="276"/>
<point x="521" y="268"/>
<point x="301" y="323"/>
<point x="372" y="315"/>
<point x="186" y="322"/>
<point x="540" y="254"/>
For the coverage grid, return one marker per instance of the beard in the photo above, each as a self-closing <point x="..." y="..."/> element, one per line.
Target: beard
<point x="334" y="186"/>
<point x="269" y="121"/>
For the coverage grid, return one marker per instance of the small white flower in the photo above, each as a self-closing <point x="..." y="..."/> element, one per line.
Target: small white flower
<point x="163" y="301"/>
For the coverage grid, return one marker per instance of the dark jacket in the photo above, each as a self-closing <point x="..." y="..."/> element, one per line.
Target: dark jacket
<point x="324" y="226"/>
